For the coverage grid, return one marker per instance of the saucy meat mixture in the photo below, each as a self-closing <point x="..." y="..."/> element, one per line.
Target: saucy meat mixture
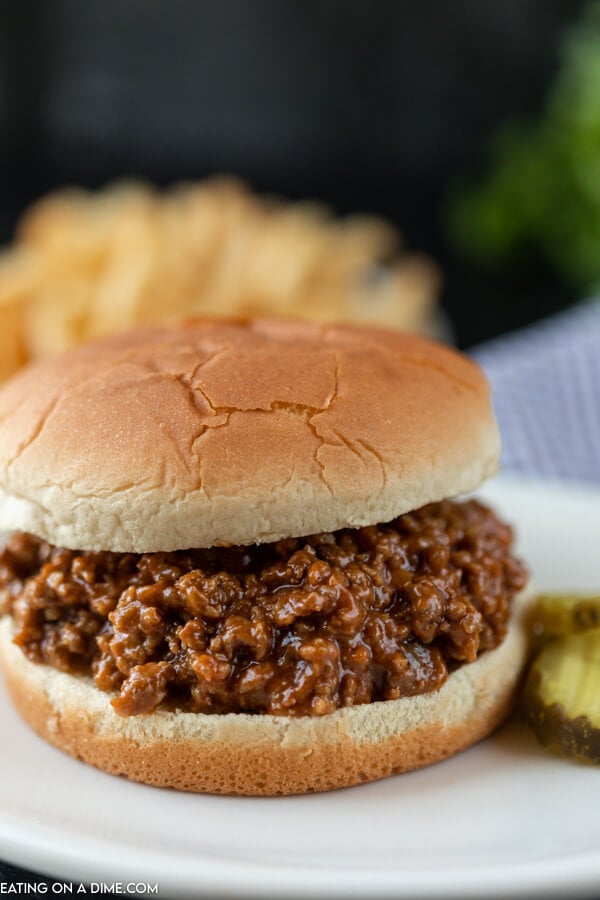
<point x="298" y="627"/>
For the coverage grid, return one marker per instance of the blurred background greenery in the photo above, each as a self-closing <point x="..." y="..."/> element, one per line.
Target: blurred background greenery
<point x="539" y="193"/>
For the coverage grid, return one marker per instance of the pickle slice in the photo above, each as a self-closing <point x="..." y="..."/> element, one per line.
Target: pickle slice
<point x="561" y="700"/>
<point x="554" y="615"/>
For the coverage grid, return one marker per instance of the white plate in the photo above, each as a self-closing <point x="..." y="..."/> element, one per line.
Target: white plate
<point x="503" y="818"/>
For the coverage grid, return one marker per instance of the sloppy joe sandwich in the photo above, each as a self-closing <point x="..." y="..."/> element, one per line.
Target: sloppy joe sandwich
<point x="234" y="564"/>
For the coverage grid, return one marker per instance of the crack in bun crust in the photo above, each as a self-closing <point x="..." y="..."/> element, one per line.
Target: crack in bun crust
<point x="216" y="433"/>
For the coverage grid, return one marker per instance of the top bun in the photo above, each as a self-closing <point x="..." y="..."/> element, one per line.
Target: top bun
<point x="217" y="433"/>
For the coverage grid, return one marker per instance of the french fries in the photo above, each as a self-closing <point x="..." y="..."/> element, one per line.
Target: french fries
<point x="84" y="265"/>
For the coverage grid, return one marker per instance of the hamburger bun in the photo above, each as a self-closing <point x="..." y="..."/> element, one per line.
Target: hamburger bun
<point x="267" y="755"/>
<point x="212" y="434"/>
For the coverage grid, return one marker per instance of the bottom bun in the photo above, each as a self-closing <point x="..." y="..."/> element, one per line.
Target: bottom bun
<point x="266" y="755"/>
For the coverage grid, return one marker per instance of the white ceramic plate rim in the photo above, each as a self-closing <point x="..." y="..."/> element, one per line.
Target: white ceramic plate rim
<point x="34" y="844"/>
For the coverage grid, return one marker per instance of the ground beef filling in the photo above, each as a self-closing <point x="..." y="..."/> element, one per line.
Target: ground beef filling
<point x="298" y="627"/>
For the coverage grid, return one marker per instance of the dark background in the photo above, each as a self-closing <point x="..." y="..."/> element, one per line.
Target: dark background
<point x="366" y="104"/>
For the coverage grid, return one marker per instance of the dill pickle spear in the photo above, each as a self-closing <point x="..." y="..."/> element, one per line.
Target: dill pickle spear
<point x="561" y="700"/>
<point x="554" y="615"/>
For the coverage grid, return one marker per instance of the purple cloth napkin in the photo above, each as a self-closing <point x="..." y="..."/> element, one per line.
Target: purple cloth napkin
<point x="546" y="387"/>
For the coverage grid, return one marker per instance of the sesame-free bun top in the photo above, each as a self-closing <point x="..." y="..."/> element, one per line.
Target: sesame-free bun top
<point x="216" y="433"/>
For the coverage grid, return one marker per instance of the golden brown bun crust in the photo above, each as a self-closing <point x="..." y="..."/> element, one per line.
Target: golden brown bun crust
<point x="266" y="755"/>
<point x="235" y="433"/>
